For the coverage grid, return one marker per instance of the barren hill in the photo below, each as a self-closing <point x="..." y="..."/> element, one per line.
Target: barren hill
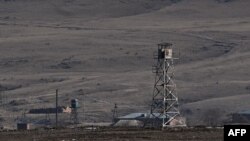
<point x="100" y="51"/>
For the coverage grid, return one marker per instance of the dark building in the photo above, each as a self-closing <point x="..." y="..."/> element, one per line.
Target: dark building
<point x="241" y="117"/>
<point x="23" y="126"/>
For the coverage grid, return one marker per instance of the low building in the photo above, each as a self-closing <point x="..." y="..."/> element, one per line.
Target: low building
<point x="61" y="109"/>
<point x="146" y="119"/>
<point x="23" y="126"/>
<point x="242" y="117"/>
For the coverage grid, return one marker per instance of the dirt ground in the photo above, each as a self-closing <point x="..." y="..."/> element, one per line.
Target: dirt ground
<point x="178" y="134"/>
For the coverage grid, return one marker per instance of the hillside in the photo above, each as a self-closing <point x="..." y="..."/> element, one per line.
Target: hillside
<point x="101" y="51"/>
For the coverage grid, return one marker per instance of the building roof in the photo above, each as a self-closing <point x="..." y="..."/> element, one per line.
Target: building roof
<point x="140" y="116"/>
<point x="244" y="112"/>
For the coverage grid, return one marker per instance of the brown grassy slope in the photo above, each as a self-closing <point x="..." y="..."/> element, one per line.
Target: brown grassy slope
<point x="104" y="50"/>
<point x="54" y="10"/>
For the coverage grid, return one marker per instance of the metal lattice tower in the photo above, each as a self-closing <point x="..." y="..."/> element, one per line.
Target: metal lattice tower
<point x="74" y="116"/>
<point x="74" y="111"/>
<point x="164" y="106"/>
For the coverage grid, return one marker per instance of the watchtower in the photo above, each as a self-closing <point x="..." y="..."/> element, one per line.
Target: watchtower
<point x="164" y="106"/>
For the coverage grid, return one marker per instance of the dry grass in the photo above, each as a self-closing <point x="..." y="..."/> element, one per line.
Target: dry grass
<point x="103" y="50"/>
<point x="200" y="134"/>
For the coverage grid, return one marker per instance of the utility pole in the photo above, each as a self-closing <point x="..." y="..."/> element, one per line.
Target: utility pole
<point x="115" y="113"/>
<point x="1" y="98"/>
<point x="56" y="108"/>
